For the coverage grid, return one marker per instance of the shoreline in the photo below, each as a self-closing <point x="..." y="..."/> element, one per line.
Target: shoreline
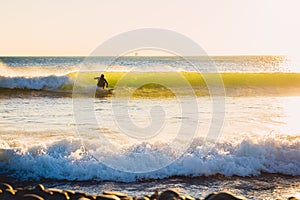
<point x="270" y="186"/>
<point x="262" y="175"/>
<point x="39" y="192"/>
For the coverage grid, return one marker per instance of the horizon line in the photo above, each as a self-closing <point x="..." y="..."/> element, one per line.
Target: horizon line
<point x="210" y="55"/>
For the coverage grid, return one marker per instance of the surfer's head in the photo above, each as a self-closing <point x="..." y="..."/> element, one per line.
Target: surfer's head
<point x="102" y="75"/>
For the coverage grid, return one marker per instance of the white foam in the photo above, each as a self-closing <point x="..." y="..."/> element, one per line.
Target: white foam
<point x="37" y="83"/>
<point x="67" y="159"/>
<point x="34" y="77"/>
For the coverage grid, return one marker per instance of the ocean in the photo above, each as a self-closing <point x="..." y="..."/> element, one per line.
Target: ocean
<point x="196" y="124"/>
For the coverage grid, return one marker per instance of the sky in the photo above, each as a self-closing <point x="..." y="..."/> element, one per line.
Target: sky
<point x="220" y="27"/>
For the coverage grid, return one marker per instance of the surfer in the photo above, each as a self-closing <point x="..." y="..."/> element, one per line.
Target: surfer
<point x="101" y="81"/>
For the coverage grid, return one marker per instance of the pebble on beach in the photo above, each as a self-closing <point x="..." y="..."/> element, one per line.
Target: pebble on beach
<point x="223" y="196"/>
<point x="7" y="192"/>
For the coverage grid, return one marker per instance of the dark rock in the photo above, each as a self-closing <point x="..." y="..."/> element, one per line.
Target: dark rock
<point x="126" y="198"/>
<point x="187" y="197"/>
<point x="5" y="186"/>
<point x="12" y="192"/>
<point x="8" y="194"/>
<point x="32" y="197"/>
<point x="293" y="198"/>
<point x="118" y="194"/>
<point x="92" y="197"/>
<point x="142" y="198"/>
<point x="54" y="190"/>
<point x="169" y="194"/>
<point x="154" y="196"/>
<point x="210" y="195"/>
<point x="75" y="195"/>
<point x="57" y="194"/>
<point x="39" y="188"/>
<point x="71" y="192"/>
<point x="222" y="196"/>
<point x="45" y="195"/>
<point x="21" y="192"/>
<point x="107" y="197"/>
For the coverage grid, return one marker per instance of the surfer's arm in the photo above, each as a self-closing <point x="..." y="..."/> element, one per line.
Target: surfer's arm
<point x="96" y="77"/>
<point x="106" y="82"/>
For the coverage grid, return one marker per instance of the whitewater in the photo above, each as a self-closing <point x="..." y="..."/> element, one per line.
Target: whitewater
<point x="67" y="160"/>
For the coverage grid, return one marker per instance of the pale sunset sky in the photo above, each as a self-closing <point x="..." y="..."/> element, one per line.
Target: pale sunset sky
<point x="221" y="27"/>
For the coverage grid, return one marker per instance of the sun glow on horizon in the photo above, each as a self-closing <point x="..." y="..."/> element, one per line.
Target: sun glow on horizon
<point x="233" y="27"/>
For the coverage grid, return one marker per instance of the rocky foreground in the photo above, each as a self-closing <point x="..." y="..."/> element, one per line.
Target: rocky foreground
<point x="7" y="192"/>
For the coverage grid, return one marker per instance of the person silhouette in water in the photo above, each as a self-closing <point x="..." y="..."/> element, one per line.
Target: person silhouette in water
<point x="101" y="81"/>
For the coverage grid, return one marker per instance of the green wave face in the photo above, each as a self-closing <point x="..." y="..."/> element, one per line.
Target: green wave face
<point x="167" y="84"/>
<point x="159" y="84"/>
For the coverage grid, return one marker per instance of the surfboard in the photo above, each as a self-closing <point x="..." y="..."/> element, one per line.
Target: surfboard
<point x="103" y="92"/>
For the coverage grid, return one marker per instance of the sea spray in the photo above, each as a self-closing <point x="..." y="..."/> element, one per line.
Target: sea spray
<point x="67" y="160"/>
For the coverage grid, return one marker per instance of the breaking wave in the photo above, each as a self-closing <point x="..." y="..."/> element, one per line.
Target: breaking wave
<point x="68" y="160"/>
<point x="151" y="83"/>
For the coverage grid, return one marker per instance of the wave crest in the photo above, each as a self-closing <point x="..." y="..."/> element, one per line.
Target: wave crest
<point x="152" y="84"/>
<point x="36" y="83"/>
<point x="68" y="160"/>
